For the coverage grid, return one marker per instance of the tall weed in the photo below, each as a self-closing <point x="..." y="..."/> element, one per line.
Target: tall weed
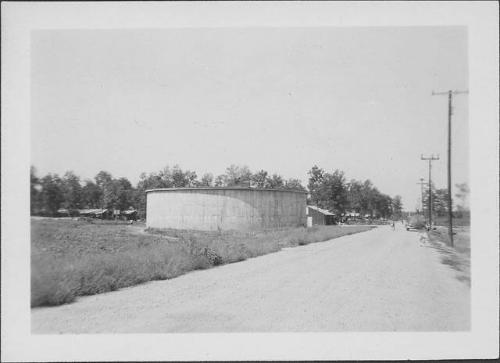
<point x="71" y="259"/>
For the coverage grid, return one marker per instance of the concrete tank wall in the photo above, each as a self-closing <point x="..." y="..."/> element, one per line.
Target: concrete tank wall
<point x="224" y="208"/>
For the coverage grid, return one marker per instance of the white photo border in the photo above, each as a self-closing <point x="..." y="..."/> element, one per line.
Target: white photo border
<point x="19" y="19"/>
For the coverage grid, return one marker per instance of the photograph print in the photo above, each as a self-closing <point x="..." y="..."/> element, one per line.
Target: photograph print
<point x="250" y="180"/>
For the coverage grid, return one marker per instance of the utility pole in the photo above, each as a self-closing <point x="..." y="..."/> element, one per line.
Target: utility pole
<point x="422" y="183"/>
<point x="430" y="159"/>
<point x="450" y="94"/>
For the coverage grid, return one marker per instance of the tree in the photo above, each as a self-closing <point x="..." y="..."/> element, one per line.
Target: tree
<point x="51" y="194"/>
<point x="439" y="201"/>
<point x="331" y="191"/>
<point x="260" y="179"/>
<point x="220" y="181"/>
<point x="425" y="201"/>
<point x="91" y="195"/>
<point x="367" y="197"/>
<point x="72" y="190"/>
<point x="102" y="178"/>
<point x="104" y="181"/>
<point x="237" y="175"/>
<point x="152" y="181"/>
<point x="124" y="194"/>
<point x="146" y="182"/>
<point x="108" y="200"/>
<point x="315" y="184"/>
<point x="383" y="205"/>
<point x="336" y="192"/>
<point x="182" y="179"/>
<point x="35" y="188"/>
<point x="118" y="194"/>
<point x="462" y="195"/>
<point x="397" y="207"/>
<point x="206" y="180"/>
<point x="294" y="184"/>
<point x="354" y="195"/>
<point x="168" y="177"/>
<point x="328" y="190"/>
<point x="275" y="182"/>
<point x="163" y="179"/>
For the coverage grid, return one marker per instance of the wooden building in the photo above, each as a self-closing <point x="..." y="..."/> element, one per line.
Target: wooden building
<point x="318" y="216"/>
<point x="96" y="213"/>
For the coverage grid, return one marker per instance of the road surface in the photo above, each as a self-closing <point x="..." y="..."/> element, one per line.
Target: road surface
<point x="381" y="280"/>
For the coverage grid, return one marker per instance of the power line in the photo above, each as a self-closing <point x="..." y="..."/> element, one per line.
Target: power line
<point x="450" y="94"/>
<point x="430" y="159"/>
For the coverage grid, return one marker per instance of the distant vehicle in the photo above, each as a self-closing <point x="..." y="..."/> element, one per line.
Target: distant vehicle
<point x="410" y="226"/>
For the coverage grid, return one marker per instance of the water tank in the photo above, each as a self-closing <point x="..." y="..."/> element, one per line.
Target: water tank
<point x="211" y="209"/>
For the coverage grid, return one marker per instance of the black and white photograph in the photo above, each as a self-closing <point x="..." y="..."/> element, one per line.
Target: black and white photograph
<point x="261" y="175"/>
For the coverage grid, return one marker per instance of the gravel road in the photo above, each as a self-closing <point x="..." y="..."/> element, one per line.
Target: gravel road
<point x="381" y="280"/>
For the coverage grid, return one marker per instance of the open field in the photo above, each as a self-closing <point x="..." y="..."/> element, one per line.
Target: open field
<point x="71" y="258"/>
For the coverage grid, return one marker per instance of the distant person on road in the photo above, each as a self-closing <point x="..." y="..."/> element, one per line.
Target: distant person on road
<point x="393" y="225"/>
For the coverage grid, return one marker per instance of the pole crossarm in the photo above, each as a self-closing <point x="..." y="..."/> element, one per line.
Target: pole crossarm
<point x="456" y="92"/>
<point x="432" y="157"/>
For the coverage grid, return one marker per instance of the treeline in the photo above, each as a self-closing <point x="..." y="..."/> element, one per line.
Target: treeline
<point x="440" y="200"/>
<point x="327" y="190"/>
<point x="333" y="192"/>
<point x="52" y="192"/>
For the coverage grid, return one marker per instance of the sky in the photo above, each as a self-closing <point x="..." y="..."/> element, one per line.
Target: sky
<point x="279" y="99"/>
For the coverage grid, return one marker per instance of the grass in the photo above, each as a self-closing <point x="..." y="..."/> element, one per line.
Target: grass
<point x="71" y="258"/>
<point x="458" y="256"/>
<point x="461" y="238"/>
<point x="459" y="222"/>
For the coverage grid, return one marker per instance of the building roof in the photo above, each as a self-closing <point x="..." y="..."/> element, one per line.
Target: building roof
<point x="129" y="211"/>
<point x="352" y="214"/>
<point x="92" y="211"/>
<point x="225" y="188"/>
<point x="323" y="211"/>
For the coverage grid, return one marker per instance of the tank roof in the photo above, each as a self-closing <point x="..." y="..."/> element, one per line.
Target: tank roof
<point x="226" y="188"/>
